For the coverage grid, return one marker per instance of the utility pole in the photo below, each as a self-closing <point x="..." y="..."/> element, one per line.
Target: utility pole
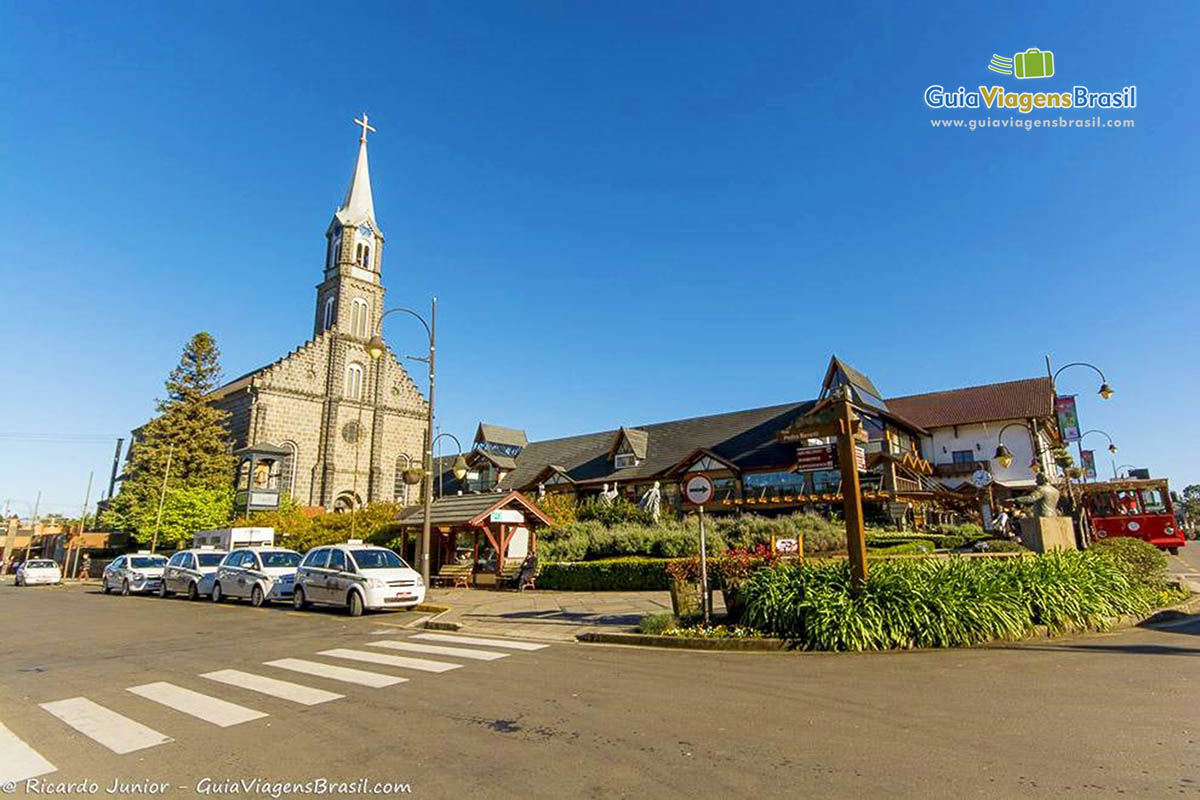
<point x="33" y="525"/>
<point x="87" y="498"/>
<point x="425" y="524"/>
<point x="112" y="481"/>
<point x="162" y="496"/>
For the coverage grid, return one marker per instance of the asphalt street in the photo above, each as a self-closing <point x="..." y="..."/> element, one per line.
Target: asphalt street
<point x="1114" y="715"/>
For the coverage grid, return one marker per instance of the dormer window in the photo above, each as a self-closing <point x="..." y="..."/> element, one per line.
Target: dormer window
<point x="628" y="448"/>
<point x="623" y="460"/>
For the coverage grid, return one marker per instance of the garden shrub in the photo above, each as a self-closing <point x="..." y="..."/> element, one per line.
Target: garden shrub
<point x="939" y="602"/>
<point x="617" y="574"/>
<point x="1140" y="560"/>
<point x="620" y="510"/>
<point x="656" y="624"/>
<point x="905" y="548"/>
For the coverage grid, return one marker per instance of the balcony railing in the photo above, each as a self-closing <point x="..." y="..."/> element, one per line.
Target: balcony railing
<point x="957" y="468"/>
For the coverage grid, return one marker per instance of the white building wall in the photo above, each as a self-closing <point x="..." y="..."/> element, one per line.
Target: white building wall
<point x="980" y="439"/>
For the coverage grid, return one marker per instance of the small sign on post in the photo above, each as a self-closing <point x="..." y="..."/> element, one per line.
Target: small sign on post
<point x="699" y="490"/>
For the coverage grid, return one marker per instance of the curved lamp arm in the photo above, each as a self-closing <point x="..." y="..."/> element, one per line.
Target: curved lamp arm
<point x="1003" y="455"/>
<point x="1106" y="391"/>
<point x="1112" y="448"/>
<point x="376" y="346"/>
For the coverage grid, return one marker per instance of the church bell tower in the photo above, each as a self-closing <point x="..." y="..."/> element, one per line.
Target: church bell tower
<point x="350" y="297"/>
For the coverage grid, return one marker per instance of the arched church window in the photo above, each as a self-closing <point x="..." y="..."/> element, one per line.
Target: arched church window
<point x="288" y="468"/>
<point x="362" y="255"/>
<point x="359" y="316"/>
<point x="329" y="312"/>
<point x="354" y="381"/>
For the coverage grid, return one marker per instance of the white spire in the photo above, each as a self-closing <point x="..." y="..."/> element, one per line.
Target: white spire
<point x="359" y="205"/>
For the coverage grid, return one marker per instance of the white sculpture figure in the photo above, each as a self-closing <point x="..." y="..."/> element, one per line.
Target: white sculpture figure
<point x="651" y="501"/>
<point x="608" y="496"/>
<point x="541" y="491"/>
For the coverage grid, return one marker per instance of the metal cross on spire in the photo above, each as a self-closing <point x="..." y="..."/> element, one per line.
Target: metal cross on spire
<point x="365" y="127"/>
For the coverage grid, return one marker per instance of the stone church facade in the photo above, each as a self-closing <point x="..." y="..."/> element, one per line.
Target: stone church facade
<point x="349" y="424"/>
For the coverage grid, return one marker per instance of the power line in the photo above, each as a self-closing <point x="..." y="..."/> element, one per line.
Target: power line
<point x="69" y="438"/>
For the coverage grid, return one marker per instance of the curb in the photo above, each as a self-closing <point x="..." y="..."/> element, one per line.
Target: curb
<point x="686" y="643"/>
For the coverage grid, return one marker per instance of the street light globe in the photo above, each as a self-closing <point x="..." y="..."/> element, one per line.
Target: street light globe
<point x="376" y="348"/>
<point x="460" y="467"/>
<point x="413" y="475"/>
<point x="1106" y="391"/>
<point x="1112" y="448"/>
<point x="1003" y="457"/>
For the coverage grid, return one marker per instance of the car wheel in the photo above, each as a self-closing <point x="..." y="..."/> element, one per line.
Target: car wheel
<point x="193" y="591"/>
<point x="216" y="595"/>
<point x="298" y="601"/>
<point x="17" y="580"/>
<point x="104" y="585"/>
<point x="1173" y="551"/>
<point x="125" y="588"/>
<point x="354" y="604"/>
<point x="162" y="589"/>
<point x="256" y="596"/>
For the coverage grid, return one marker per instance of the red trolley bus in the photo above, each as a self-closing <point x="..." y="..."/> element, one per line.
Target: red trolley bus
<point x="1138" y="508"/>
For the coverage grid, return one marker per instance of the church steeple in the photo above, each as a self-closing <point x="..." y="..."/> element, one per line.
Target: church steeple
<point x="359" y="206"/>
<point x="351" y="295"/>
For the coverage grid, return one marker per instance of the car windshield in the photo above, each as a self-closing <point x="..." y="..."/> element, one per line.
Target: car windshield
<point x="209" y="559"/>
<point x="41" y="564"/>
<point x="147" y="561"/>
<point x="279" y="558"/>
<point x="377" y="559"/>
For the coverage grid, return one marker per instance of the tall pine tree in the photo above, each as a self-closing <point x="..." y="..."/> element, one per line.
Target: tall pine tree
<point x="193" y="433"/>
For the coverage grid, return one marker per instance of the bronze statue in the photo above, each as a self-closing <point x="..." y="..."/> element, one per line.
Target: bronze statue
<point x="1044" y="498"/>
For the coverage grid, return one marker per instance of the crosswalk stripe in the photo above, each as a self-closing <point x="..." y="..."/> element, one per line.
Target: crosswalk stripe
<point x="362" y="677"/>
<point x="116" y="732"/>
<point x="392" y="661"/>
<point x="210" y="709"/>
<point x="19" y="761"/>
<point x="305" y="695"/>
<point x="439" y="650"/>
<point x="511" y="644"/>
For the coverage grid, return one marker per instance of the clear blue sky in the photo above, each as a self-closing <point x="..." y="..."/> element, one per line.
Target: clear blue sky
<point x="630" y="212"/>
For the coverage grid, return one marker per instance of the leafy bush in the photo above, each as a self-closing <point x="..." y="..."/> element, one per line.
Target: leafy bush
<point x="1000" y="546"/>
<point x="617" y="574"/>
<point x="615" y="513"/>
<point x="908" y="548"/>
<point x="1141" y="561"/>
<point x="561" y="507"/>
<point x="655" y="624"/>
<point x="938" y="602"/>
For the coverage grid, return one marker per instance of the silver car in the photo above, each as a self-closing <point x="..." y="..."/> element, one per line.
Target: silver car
<point x="259" y="574"/>
<point x="191" y="572"/>
<point x="136" y="572"/>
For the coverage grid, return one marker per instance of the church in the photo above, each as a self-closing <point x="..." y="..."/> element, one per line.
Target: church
<point x="328" y="424"/>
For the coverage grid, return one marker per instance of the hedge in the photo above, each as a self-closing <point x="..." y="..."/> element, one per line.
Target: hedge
<point x="611" y="575"/>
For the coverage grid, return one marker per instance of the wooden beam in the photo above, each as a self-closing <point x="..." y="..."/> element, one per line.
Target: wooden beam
<point x="856" y="539"/>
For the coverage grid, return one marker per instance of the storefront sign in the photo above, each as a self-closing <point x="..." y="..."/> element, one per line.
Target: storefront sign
<point x="1068" y="418"/>
<point x="507" y="515"/>
<point x="1088" y="457"/>
<point x="810" y="459"/>
<point x="860" y="457"/>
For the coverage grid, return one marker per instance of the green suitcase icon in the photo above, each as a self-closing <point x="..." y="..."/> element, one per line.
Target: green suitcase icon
<point x="1034" y="63"/>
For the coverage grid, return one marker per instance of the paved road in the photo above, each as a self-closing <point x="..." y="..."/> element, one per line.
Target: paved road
<point x="1108" y="716"/>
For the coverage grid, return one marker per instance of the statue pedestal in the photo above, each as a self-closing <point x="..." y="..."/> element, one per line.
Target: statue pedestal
<point x="1048" y="533"/>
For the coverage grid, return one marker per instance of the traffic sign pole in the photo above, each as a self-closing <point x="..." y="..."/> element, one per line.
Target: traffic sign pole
<point x="699" y="490"/>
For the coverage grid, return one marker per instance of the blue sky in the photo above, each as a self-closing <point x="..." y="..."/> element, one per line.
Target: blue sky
<point x="629" y="212"/>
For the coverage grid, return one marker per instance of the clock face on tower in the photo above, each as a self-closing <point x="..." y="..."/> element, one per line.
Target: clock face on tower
<point x="365" y="231"/>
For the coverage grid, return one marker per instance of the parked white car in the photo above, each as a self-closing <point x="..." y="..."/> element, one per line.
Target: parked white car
<point x="38" y="570"/>
<point x="191" y="572"/>
<point x="137" y="572"/>
<point x="259" y="574"/>
<point x="357" y="576"/>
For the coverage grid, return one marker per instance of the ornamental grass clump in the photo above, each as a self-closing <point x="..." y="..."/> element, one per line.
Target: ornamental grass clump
<point x="951" y="602"/>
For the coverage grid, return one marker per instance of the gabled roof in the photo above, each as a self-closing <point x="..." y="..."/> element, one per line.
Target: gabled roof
<point x="469" y="509"/>
<point x="496" y="434"/>
<point x="501" y="461"/>
<point x="638" y="442"/>
<point x="863" y="391"/>
<point x="1031" y="398"/>
<point x="553" y="469"/>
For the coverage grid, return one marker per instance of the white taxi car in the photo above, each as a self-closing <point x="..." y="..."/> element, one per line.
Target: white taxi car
<point x="137" y="572"/>
<point x="191" y="572"/>
<point x="38" y="570"/>
<point x="357" y="576"/>
<point x="259" y="574"/>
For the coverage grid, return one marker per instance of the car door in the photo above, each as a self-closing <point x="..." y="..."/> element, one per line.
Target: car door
<point x="227" y="574"/>
<point x="246" y="570"/>
<point x="311" y="575"/>
<point x="171" y="573"/>
<point x="335" y="579"/>
<point x="112" y="573"/>
<point x="187" y="571"/>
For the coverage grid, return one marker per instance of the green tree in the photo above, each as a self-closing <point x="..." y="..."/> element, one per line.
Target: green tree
<point x="192" y="433"/>
<point x="1191" y="502"/>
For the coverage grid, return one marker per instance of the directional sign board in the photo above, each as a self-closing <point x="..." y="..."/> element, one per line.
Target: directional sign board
<point x="699" y="490"/>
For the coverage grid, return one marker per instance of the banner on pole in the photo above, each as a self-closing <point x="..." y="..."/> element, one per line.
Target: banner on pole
<point x="1068" y="417"/>
<point x="1089" y="463"/>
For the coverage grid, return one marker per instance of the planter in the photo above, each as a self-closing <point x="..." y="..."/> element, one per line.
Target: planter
<point x="685" y="599"/>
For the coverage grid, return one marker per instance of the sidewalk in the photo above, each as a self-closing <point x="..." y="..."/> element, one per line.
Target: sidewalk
<point x="538" y="614"/>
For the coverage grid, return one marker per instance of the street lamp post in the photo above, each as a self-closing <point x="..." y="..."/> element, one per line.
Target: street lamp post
<point x="376" y="348"/>
<point x="460" y="463"/>
<point x="1112" y="448"/>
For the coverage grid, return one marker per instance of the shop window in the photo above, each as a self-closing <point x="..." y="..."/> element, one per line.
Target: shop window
<point x="765" y="485"/>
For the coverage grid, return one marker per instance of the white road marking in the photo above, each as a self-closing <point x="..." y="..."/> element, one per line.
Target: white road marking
<point x="362" y="677"/>
<point x="511" y="644"/>
<point x="391" y="661"/>
<point x="305" y="695"/>
<point x="19" y="761"/>
<point x="210" y="709"/>
<point x="118" y="733"/>
<point x="440" y="650"/>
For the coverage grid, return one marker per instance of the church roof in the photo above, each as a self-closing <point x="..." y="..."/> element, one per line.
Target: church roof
<point x="359" y="206"/>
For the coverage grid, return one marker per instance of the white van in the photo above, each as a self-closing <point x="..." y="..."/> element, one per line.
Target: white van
<point x="232" y="538"/>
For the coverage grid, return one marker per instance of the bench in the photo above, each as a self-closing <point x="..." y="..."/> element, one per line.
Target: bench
<point x="455" y="574"/>
<point x="512" y="570"/>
